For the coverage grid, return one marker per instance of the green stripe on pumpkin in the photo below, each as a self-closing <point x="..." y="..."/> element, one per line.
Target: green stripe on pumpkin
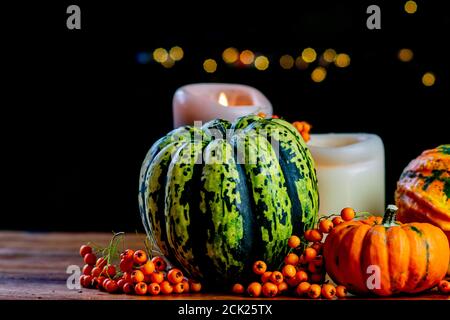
<point x="155" y="194"/>
<point x="226" y="216"/>
<point x="297" y="173"/>
<point x="181" y="134"/>
<point x="181" y="203"/>
<point x="306" y="154"/>
<point x="269" y="195"/>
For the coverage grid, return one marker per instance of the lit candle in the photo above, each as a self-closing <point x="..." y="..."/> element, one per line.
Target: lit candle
<point x="350" y="172"/>
<point x="207" y="101"/>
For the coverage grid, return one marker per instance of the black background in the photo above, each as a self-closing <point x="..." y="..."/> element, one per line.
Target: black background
<point x="79" y="113"/>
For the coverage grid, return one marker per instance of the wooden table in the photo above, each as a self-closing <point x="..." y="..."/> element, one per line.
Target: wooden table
<point x="33" y="266"/>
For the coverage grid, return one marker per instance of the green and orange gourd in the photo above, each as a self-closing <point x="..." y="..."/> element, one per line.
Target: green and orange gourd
<point x="423" y="190"/>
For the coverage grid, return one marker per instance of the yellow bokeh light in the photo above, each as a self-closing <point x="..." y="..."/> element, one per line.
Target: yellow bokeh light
<point x="287" y="61"/>
<point x="210" y="65"/>
<point x="410" y="7"/>
<point x="342" y="60"/>
<point x="300" y="63"/>
<point x="176" y="53"/>
<point x="160" y="55"/>
<point x="261" y="63"/>
<point x="230" y="55"/>
<point x="329" y="55"/>
<point x="169" y="63"/>
<point x="247" y="57"/>
<point x="405" y="55"/>
<point x="428" y="79"/>
<point x="319" y="74"/>
<point x="309" y="55"/>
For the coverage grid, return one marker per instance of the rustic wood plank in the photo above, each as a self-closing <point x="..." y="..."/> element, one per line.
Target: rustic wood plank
<point x="33" y="266"/>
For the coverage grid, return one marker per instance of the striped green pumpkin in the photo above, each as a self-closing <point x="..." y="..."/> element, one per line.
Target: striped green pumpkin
<point x="214" y="203"/>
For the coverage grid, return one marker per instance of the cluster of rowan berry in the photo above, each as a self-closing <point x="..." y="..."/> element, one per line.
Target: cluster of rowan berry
<point x="137" y="274"/>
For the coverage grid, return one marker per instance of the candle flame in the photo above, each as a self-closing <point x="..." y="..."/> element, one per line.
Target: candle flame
<point x="223" y="100"/>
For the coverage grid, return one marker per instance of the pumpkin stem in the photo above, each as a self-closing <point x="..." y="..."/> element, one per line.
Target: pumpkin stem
<point x="390" y="215"/>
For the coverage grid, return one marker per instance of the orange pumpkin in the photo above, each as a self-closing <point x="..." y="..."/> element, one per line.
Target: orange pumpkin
<point x="384" y="257"/>
<point x="423" y="191"/>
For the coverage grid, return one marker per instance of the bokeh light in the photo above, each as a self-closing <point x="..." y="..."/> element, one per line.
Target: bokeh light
<point x="143" y="57"/>
<point x="261" y="63"/>
<point x="287" y="61"/>
<point x="247" y="57"/>
<point x="230" y="55"/>
<point x="428" y="79"/>
<point x="210" y="65"/>
<point x="300" y="63"/>
<point x="410" y="7"/>
<point x="168" y="63"/>
<point x="405" y="55"/>
<point x="309" y="55"/>
<point x="176" y="53"/>
<point x="160" y="55"/>
<point x="342" y="60"/>
<point x="329" y="55"/>
<point x="319" y="74"/>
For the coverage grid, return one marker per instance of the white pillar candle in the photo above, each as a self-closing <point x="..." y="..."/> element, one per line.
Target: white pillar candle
<point x="208" y="101"/>
<point x="350" y="172"/>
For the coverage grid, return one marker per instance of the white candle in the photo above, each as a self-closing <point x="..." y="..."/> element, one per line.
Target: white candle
<point x="208" y="101"/>
<point x="350" y="172"/>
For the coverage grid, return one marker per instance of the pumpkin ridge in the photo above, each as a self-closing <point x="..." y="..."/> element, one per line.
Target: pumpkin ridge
<point x="353" y="242"/>
<point x="155" y="195"/>
<point x="378" y="255"/>
<point x="227" y="218"/>
<point x="427" y="267"/>
<point x="410" y="200"/>
<point x="177" y="208"/>
<point x="143" y="181"/>
<point x="273" y="204"/>
<point x="339" y="270"/>
<point x="298" y="175"/>
<point x="416" y="269"/>
<point x="365" y="258"/>
<point x="305" y="152"/>
<point x="330" y="254"/>
<point x="398" y="258"/>
<point x="196" y="231"/>
<point x="178" y="135"/>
